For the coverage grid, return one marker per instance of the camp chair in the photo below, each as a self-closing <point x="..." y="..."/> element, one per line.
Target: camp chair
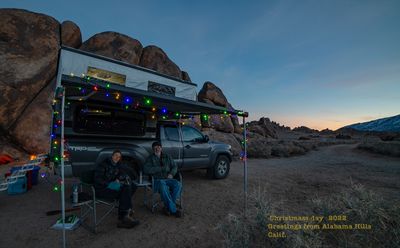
<point x="143" y="181"/>
<point x="88" y="202"/>
<point x="155" y="203"/>
<point x="147" y="182"/>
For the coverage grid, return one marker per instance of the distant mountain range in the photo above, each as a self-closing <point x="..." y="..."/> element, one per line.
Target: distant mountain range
<point x="388" y="124"/>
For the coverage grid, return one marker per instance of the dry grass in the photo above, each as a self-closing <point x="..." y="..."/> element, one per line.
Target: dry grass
<point x="357" y="203"/>
<point x="391" y="148"/>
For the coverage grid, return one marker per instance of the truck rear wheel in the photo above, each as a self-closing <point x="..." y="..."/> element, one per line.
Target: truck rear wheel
<point x="221" y="167"/>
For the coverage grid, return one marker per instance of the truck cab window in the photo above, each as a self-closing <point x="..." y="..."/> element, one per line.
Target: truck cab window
<point x="171" y="133"/>
<point x="191" y="135"/>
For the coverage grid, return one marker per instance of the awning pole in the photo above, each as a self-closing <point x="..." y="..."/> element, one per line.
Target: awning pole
<point x="245" y="164"/>
<point x="62" y="166"/>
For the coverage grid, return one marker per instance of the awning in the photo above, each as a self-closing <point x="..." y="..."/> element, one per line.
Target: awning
<point x="84" y="88"/>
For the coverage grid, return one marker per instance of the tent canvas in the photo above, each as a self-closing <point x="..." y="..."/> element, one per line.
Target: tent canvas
<point x="80" y="63"/>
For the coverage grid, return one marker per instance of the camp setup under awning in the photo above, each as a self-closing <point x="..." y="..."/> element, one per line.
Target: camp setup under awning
<point x="88" y="77"/>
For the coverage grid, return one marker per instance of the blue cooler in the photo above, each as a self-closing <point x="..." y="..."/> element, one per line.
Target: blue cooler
<point x="19" y="187"/>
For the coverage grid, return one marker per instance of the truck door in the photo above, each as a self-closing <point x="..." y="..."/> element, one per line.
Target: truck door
<point x="196" y="150"/>
<point x="171" y="143"/>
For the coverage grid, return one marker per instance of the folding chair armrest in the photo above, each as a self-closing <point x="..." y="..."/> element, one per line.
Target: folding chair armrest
<point x="88" y="186"/>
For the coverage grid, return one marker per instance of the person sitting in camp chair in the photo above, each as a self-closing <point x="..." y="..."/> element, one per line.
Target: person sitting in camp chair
<point x="112" y="182"/>
<point x="163" y="168"/>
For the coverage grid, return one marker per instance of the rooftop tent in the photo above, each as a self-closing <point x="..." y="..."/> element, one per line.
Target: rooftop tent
<point x="80" y="63"/>
<point x="79" y="69"/>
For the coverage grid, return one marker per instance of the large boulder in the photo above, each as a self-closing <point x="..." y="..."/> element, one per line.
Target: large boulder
<point x="235" y="121"/>
<point x="28" y="56"/>
<point x="221" y="123"/>
<point x="257" y="146"/>
<point x="211" y="94"/>
<point x="71" y="34"/>
<point x="32" y="130"/>
<point x="114" y="45"/>
<point x="264" y="127"/>
<point x="226" y="138"/>
<point x="185" y="76"/>
<point x="156" y="59"/>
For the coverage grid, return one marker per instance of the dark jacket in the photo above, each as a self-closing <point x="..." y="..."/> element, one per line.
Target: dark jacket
<point x="160" y="168"/>
<point x="106" y="172"/>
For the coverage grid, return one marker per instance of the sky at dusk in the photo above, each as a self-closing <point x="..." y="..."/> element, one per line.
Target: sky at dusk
<point x="322" y="64"/>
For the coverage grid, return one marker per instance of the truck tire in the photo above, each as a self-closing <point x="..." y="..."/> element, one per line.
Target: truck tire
<point x="221" y="167"/>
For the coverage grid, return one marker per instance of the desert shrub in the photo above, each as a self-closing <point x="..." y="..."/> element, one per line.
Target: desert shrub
<point x="362" y="206"/>
<point x="391" y="148"/>
<point x="248" y="230"/>
<point x="287" y="149"/>
<point x="343" y="136"/>
<point x="358" y="204"/>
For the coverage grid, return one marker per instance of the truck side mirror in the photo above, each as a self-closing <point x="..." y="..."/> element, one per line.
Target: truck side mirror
<point x="206" y="138"/>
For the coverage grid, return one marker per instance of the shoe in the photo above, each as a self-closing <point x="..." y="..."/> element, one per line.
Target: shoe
<point x="166" y="211"/>
<point x="178" y="213"/>
<point x="127" y="222"/>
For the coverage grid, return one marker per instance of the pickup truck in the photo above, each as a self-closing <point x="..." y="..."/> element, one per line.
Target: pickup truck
<point x="92" y="132"/>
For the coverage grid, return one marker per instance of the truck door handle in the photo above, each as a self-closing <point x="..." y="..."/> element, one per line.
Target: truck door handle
<point x="187" y="146"/>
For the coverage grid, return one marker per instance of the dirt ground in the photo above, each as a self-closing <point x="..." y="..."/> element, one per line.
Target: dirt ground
<point x="289" y="181"/>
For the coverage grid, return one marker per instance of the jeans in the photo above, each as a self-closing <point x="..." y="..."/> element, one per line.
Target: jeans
<point x="124" y="195"/>
<point x="169" y="190"/>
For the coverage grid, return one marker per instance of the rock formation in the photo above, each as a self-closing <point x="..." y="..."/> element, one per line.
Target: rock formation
<point x="211" y="94"/>
<point x="156" y="59"/>
<point x="264" y="127"/>
<point x="29" y="46"/>
<point x="304" y="129"/>
<point x="185" y="76"/>
<point x="71" y="34"/>
<point x="28" y="55"/>
<point x="114" y="45"/>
